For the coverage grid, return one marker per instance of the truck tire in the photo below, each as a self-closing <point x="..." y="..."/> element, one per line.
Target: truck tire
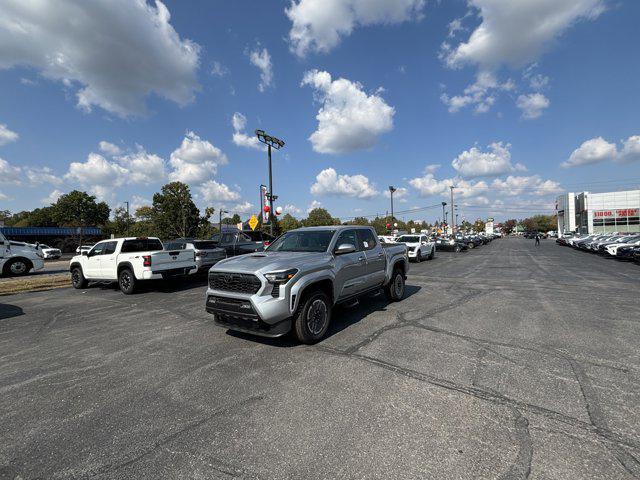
<point x="126" y="281"/>
<point x="17" y="267"/>
<point x="77" y="278"/>
<point x="394" y="290"/>
<point x="311" y="320"/>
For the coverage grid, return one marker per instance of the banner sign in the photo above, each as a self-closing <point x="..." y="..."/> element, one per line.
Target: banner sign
<point x="620" y="213"/>
<point x="264" y="201"/>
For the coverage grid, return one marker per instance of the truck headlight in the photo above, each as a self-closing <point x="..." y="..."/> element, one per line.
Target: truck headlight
<point x="281" y="277"/>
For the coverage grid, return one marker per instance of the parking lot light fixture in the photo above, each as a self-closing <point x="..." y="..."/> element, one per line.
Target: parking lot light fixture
<point x="270" y="141"/>
<point x="392" y="189"/>
<point x="221" y="211"/>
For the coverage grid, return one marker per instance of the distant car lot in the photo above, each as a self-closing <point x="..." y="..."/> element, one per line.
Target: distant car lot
<point x="508" y="361"/>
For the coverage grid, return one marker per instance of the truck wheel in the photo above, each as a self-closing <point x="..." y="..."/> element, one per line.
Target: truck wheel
<point x="18" y="267"/>
<point x="311" y="321"/>
<point x="395" y="289"/>
<point x="126" y="281"/>
<point x="77" y="278"/>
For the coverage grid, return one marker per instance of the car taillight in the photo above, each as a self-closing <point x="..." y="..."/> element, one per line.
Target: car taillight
<point x="146" y="260"/>
<point x="267" y="243"/>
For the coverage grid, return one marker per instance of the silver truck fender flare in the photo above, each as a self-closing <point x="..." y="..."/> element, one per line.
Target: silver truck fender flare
<point x="308" y="280"/>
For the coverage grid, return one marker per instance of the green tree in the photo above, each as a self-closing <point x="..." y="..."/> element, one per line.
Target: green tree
<point x="120" y="225"/>
<point x="79" y="209"/>
<point x="466" y="226"/>
<point x="359" y="221"/>
<point x="174" y="213"/>
<point x="318" y="217"/>
<point x="509" y="226"/>
<point x="478" y="226"/>
<point x="288" y="222"/>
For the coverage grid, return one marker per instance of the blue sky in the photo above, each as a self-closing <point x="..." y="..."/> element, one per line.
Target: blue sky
<point x="511" y="104"/>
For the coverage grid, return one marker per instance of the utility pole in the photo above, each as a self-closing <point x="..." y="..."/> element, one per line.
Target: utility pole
<point x="221" y="211"/>
<point x="127" y="202"/>
<point x="276" y="143"/>
<point x="392" y="189"/>
<point x="454" y="224"/>
<point x="444" y="204"/>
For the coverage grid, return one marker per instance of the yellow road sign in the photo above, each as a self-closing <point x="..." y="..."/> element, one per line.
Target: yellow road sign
<point x="253" y="222"/>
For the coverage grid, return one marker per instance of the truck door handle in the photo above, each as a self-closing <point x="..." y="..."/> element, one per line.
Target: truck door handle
<point x="380" y="255"/>
<point x="361" y="259"/>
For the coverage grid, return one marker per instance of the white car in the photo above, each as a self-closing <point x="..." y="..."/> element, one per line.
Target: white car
<point x="50" y="253"/>
<point x="128" y="261"/>
<point x="83" y="248"/>
<point x="419" y="246"/>
<point x="18" y="258"/>
<point x="387" y="238"/>
<point x="613" y="248"/>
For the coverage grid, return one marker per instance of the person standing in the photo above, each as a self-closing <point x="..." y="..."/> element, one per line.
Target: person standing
<point x="537" y="239"/>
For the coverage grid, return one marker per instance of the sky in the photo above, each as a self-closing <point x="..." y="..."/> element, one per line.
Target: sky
<point x="511" y="102"/>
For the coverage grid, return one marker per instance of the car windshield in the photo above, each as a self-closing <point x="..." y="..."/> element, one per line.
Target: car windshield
<point x="302" y="241"/>
<point x="408" y="239"/>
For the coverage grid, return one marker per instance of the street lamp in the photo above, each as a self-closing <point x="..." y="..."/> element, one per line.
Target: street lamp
<point x="444" y="204"/>
<point x="276" y="143"/>
<point x="392" y="189"/>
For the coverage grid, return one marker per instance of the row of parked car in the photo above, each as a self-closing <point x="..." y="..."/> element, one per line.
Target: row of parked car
<point x="459" y="242"/>
<point x="624" y="246"/>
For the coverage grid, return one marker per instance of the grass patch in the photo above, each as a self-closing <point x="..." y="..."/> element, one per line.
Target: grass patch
<point x="35" y="283"/>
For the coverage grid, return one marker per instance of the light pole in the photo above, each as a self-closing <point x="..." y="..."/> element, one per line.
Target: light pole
<point x="127" y="217"/>
<point x="221" y="211"/>
<point x="391" y="190"/>
<point x="454" y="225"/>
<point x="276" y="143"/>
<point x="444" y="204"/>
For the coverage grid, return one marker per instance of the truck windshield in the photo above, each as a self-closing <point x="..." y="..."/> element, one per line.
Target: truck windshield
<point x="304" y="241"/>
<point x="408" y="239"/>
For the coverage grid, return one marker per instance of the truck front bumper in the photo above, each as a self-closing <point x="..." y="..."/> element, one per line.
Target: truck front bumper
<point x="262" y="315"/>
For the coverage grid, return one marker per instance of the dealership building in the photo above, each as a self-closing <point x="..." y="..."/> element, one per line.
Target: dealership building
<point x="587" y="212"/>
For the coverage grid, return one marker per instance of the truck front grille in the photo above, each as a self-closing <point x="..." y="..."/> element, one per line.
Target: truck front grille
<point x="234" y="282"/>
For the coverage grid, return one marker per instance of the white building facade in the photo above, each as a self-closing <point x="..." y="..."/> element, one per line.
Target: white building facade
<point x="587" y="212"/>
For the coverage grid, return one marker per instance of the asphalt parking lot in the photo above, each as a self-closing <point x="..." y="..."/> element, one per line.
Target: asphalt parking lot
<point x="507" y="361"/>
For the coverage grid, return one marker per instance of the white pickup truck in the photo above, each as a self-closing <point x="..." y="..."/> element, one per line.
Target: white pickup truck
<point x="128" y="261"/>
<point x="17" y="258"/>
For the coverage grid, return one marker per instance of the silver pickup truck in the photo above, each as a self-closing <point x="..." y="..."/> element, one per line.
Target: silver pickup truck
<point x="295" y="283"/>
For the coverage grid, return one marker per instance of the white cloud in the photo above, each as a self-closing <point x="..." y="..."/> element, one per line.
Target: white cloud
<point x="98" y="46"/>
<point x="532" y="105"/>
<point x="109" y="148"/>
<point x="328" y="182"/>
<point x="138" y="202"/>
<point x="291" y="209"/>
<point x="532" y="185"/>
<point x="630" y="149"/>
<point x="313" y="205"/>
<point x="52" y="197"/>
<point x="475" y="163"/>
<point x="482" y="93"/>
<point x="242" y="208"/>
<point x="97" y="172"/>
<point x="399" y="195"/>
<point x="592" y="151"/>
<point x="6" y="135"/>
<point x="240" y="138"/>
<point x="143" y="167"/>
<point x="349" y="119"/>
<point x="219" y="70"/>
<point x="318" y="25"/>
<point x="517" y="33"/>
<point x="262" y="60"/>
<point x="4" y="197"/>
<point x="212" y="192"/>
<point x="598" y="150"/>
<point x="42" y="175"/>
<point x="8" y="173"/>
<point x="428" y="186"/>
<point x="196" y="160"/>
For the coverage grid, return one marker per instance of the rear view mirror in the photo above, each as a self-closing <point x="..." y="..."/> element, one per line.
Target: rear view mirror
<point x="345" y="248"/>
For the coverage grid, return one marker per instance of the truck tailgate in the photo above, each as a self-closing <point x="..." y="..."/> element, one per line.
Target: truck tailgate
<point x="168" y="260"/>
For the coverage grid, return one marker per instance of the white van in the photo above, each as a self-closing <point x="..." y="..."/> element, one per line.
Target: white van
<point x="17" y="258"/>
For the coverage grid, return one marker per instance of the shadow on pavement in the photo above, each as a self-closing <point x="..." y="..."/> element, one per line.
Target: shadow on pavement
<point x="9" y="311"/>
<point x="342" y="318"/>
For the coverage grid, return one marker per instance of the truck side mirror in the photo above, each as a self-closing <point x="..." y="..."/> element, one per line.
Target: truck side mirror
<point x="345" y="248"/>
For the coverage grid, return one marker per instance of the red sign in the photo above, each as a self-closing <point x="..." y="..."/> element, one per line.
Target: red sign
<point x="620" y="213"/>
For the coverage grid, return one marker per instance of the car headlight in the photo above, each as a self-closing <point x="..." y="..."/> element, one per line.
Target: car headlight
<point x="281" y="277"/>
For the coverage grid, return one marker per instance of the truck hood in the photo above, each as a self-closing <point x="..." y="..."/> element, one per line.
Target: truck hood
<point x="265" y="262"/>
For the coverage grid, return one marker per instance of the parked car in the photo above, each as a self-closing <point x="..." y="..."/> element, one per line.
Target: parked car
<point x="83" y="248"/>
<point x="237" y="242"/>
<point x="627" y="252"/>
<point x="387" y="238"/>
<point x="50" y="253"/>
<point x="295" y="283"/>
<point x="19" y="258"/>
<point x="129" y="261"/>
<point x="611" y="248"/>
<point x="259" y="237"/>
<point x="419" y="246"/>
<point x="207" y="253"/>
<point x="450" y="243"/>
